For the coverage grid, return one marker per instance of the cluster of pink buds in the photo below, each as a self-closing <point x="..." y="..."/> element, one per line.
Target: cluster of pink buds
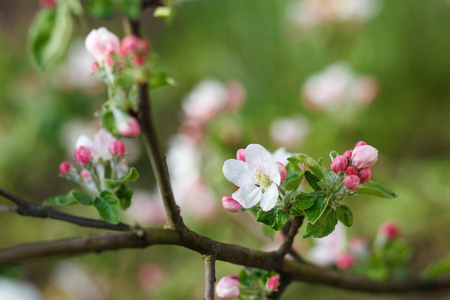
<point x="356" y="164"/>
<point x="135" y="48"/>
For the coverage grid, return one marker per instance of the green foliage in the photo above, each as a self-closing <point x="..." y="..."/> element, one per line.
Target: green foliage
<point x="307" y="161"/>
<point x="437" y="268"/>
<point x="124" y="194"/>
<point x="66" y="200"/>
<point x="108" y="206"/>
<point x="131" y="8"/>
<point x="316" y="210"/>
<point x="345" y="215"/>
<point x="132" y="175"/>
<point x="83" y="198"/>
<point x="100" y="8"/>
<point x="304" y="201"/>
<point x="161" y="79"/>
<point x="376" y="189"/>
<point x="312" y="180"/>
<point x="323" y="226"/>
<point x="275" y="218"/>
<point x="49" y="35"/>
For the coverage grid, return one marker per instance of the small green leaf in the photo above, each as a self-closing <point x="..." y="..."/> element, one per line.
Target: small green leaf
<point x="308" y="162"/>
<point x="100" y="8"/>
<point x="245" y="279"/>
<point x="312" y="181"/>
<point x="108" y="207"/>
<point x="437" y="268"/>
<point x="158" y="80"/>
<point x="376" y="189"/>
<point x="124" y="80"/>
<point x="83" y="198"/>
<point x="163" y="12"/>
<point x="109" y="123"/>
<point x="61" y="200"/>
<point x="324" y="226"/>
<point x="345" y="215"/>
<point x="293" y="183"/>
<point x="304" y="201"/>
<point x="296" y="213"/>
<point x="316" y="210"/>
<point x="124" y="194"/>
<point x="275" y="218"/>
<point x="132" y="175"/>
<point x="49" y="35"/>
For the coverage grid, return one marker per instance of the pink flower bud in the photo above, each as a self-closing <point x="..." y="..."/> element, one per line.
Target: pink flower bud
<point x="230" y="204"/>
<point x="144" y="47"/>
<point x="85" y="174"/>
<point x="282" y="170"/>
<point x="117" y="148"/>
<point x="228" y="287"/>
<point x="348" y="154"/>
<point x="339" y="164"/>
<point x="364" y="156"/>
<point x="47" y="3"/>
<point x="138" y="61"/>
<point x="95" y="67"/>
<point x="351" y="182"/>
<point x="390" y="230"/>
<point x="126" y="125"/>
<point x="109" y="61"/>
<point x="83" y="155"/>
<point x="360" y="143"/>
<point x="131" y="44"/>
<point x="240" y="155"/>
<point x="272" y="283"/>
<point x="345" y="261"/>
<point x="64" y="168"/>
<point x="364" y="174"/>
<point x="350" y="170"/>
<point x="100" y="43"/>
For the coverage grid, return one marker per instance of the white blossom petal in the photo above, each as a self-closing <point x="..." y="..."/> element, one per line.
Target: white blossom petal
<point x="102" y="140"/>
<point x="237" y="172"/>
<point x="248" y="195"/>
<point x="256" y="157"/>
<point x="269" y="198"/>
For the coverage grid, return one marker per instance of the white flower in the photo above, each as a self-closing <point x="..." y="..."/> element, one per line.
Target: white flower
<point x="281" y="155"/>
<point x="18" y="290"/>
<point x="99" y="147"/>
<point x="257" y="178"/>
<point x="289" y="132"/>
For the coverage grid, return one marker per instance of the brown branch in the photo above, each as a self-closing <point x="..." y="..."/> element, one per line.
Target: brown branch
<point x="225" y="252"/>
<point x="210" y="276"/>
<point x="26" y="208"/>
<point x="289" y="231"/>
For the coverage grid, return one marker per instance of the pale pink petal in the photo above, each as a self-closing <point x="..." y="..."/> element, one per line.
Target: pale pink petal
<point x="269" y="198"/>
<point x="256" y="157"/>
<point x="237" y="172"/>
<point x="248" y="195"/>
<point x="102" y="140"/>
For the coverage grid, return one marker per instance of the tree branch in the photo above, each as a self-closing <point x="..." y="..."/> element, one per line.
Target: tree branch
<point x="26" y="208"/>
<point x="225" y="252"/>
<point x="210" y="276"/>
<point x="289" y="232"/>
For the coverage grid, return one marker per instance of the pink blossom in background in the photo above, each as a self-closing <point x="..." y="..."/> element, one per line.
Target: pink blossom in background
<point x="150" y="276"/>
<point x="289" y="132"/>
<point x="327" y="250"/>
<point x="235" y="95"/>
<point x="359" y="247"/>
<point x="101" y="43"/>
<point x="364" y="90"/>
<point x="147" y="209"/>
<point x="345" y="261"/>
<point x="390" y="230"/>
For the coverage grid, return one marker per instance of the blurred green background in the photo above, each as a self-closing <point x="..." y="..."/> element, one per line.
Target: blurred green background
<point x="404" y="46"/>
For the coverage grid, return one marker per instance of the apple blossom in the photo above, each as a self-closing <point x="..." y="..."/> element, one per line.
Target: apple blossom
<point x="83" y="155"/>
<point x="282" y="170"/>
<point x="327" y="250"/>
<point x="272" y="283"/>
<point x="364" y="174"/>
<point x="126" y="124"/>
<point x="345" y="261"/>
<point x="350" y="170"/>
<point x="85" y="174"/>
<point x="339" y="164"/>
<point x="64" y="168"/>
<point x="240" y="154"/>
<point x="364" y="156"/>
<point x="258" y="178"/>
<point x="99" y="146"/>
<point x="351" y="182"/>
<point x="228" y="287"/>
<point x="230" y="204"/>
<point x="390" y="230"/>
<point x="360" y="143"/>
<point x="101" y="43"/>
<point x="348" y="154"/>
<point x="117" y="148"/>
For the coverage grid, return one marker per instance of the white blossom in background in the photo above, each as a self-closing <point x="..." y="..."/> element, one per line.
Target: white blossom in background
<point x="18" y="290"/>
<point x="289" y="132"/>
<point x="146" y="208"/>
<point x="338" y="88"/>
<point x="327" y="250"/>
<point x="281" y="155"/>
<point x="307" y="14"/>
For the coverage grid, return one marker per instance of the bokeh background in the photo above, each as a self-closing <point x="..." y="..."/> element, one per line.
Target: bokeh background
<point x="312" y="76"/>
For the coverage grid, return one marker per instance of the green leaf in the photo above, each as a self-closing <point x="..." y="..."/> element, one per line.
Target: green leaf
<point x="49" y="35"/>
<point x="276" y="218"/>
<point x="132" y="175"/>
<point x="345" y="215"/>
<point x="66" y="200"/>
<point x="158" y="80"/>
<point x="324" y="226"/>
<point x="124" y="81"/>
<point x="316" y="210"/>
<point x="308" y="162"/>
<point x="304" y="201"/>
<point x="124" y="194"/>
<point x="132" y="8"/>
<point x="83" y="198"/>
<point x="245" y="278"/>
<point x="100" y="8"/>
<point x="163" y="12"/>
<point x="108" y="206"/>
<point x="312" y="180"/>
<point x="293" y="183"/>
<point x="437" y="268"/>
<point x="296" y="212"/>
<point x="109" y="123"/>
<point x="376" y="189"/>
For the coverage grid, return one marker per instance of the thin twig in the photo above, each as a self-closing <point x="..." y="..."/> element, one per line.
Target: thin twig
<point x="289" y="232"/>
<point x="210" y="276"/>
<point x="26" y="208"/>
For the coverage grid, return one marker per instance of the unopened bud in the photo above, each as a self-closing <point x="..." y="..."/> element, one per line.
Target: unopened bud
<point x="228" y="287"/>
<point x="345" y="261"/>
<point x="351" y="182"/>
<point x="272" y="283"/>
<point x="126" y="125"/>
<point x="364" y="174"/>
<point x="83" y="155"/>
<point x="230" y="204"/>
<point x="364" y="156"/>
<point x="240" y="155"/>
<point x="360" y="143"/>
<point x="339" y="164"/>
<point x="85" y="174"/>
<point x="64" y="168"/>
<point x="282" y="170"/>
<point x="348" y="154"/>
<point x="138" y="61"/>
<point x="47" y="3"/>
<point x="95" y="67"/>
<point x="350" y="170"/>
<point x="117" y="148"/>
<point x="390" y="230"/>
